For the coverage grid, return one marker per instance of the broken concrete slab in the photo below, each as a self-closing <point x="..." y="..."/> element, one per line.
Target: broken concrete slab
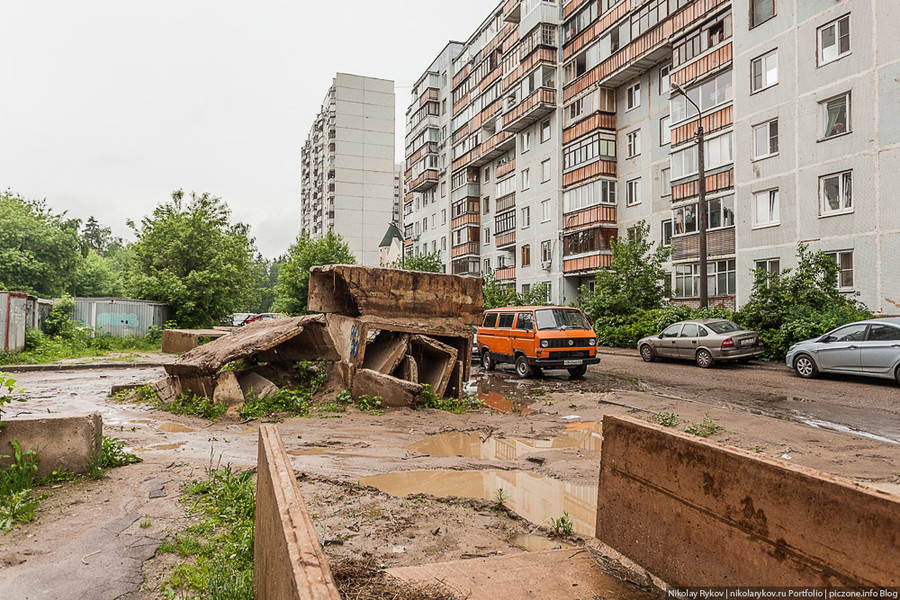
<point x="349" y="336"/>
<point x="176" y="341"/>
<point x="292" y="339"/>
<point x="385" y="352"/>
<point x="253" y="383"/>
<point x="435" y="360"/>
<point x="355" y="290"/>
<point x="71" y="442"/>
<point x="394" y="392"/>
<point x="407" y="369"/>
<point x="228" y="390"/>
<point x="168" y="389"/>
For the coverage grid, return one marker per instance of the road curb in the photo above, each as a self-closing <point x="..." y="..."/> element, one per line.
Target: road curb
<point x="75" y="367"/>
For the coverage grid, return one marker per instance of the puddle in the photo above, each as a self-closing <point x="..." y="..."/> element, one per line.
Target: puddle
<point x="584" y="436"/>
<point x="537" y="543"/>
<point x="174" y="428"/>
<point x="503" y="392"/>
<point x="161" y="447"/>
<point x="309" y="451"/>
<point x="140" y="421"/>
<point x="531" y="496"/>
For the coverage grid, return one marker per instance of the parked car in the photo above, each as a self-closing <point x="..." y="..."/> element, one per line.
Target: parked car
<point x="537" y="337"/>
<point x="706" y="341"/>
<point x="869" y="348"/>
<point x="263" y="317"/>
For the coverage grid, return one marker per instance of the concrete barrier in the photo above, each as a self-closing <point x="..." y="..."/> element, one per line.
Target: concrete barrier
<point x="696" y="513"/>
<point x="71" y="442"/>
<point x="176" y="341"/>
<point x="289" y="562"/>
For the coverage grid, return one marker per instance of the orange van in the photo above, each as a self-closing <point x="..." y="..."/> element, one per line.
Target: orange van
<point x="537" y="337"/>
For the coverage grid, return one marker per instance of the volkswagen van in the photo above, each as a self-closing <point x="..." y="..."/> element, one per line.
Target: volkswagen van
<point x="537" y="337"/>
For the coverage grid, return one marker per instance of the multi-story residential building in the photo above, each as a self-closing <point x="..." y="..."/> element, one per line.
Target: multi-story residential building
<point x="568" y="128"/>
<point x="347" y="165"/>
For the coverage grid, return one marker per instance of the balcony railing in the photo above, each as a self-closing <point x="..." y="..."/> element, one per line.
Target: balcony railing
<point x="505" y="240"/>
<point x="538" y="104"/>
<point x="719" y="242"/>
<point x="505" y="274"/>
<point x="467" y="249"/>
<point x="596" y="215"/>
<point x="506" y="168"/>
<point x="584" y="264"/>
<point x="428" y="179"/>
<point x="505" y="202"/>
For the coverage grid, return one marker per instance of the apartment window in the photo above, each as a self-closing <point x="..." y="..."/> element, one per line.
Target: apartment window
<point x="504" y="222"/>
<point x="525" y="142"/>
<point x="526" y="255"/>
<point x="761" y="11"/>
<point x="765" y="139"/>
<point x="545" y="131"/>
<point x="664" y="79"/>
<point x="444" y="216"/>
<point x="665" y="176"/>
<point x="444" y="243"/>
<point x="665" y="234"/>
<point x="633" y="143"/>
<point x="545" y="171"/>
<point x="764" y="71"/>
<point x="444" y="106"/>
<point x="721" y="278"/>
<point x="633" y="96"/>
<point x="526" y="217"/>
<point x="526" y="179"/>
<point x="486" y="205"/>
<point x="835" y="116"/>
<point x="685" y="218"/>
<point x="432" y="219"/>
<point x="433" y="246"/>
<point x="665" y="132"/>
<point x="770" y="266"/>
<point x="487" y="236"/>
<point x="836" y="191"/>
<point x="720" y="212"/>
<point x="545" y="211"/>
<point x="834" y="40"/>
<point x="487" y="266"/>
<point x="546" y="253"/>
<point x="633" y="192"/>
<point x="425" y="224"/>
<point x="844" y="261"/>
<point x="487" y="174"/>
<point x="687" y="281"/>
<point x="766" y="208"/>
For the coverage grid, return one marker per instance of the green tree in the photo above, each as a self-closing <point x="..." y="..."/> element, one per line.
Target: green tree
<point x="40" y="251"/>
<point x="98" y="238"/>
<point x="98" y="277"/>
<point x="635" y="281"/>
<point x="189" y="255"/>
<point x="293" y="277"/>
<point x="266" y="278"/>
<point x="430" y="263"/>
<point x="497" y="295"/>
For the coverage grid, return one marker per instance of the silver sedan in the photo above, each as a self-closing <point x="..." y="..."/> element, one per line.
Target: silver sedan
<point x="868" y="348"/>
<point x="705" y="341"/>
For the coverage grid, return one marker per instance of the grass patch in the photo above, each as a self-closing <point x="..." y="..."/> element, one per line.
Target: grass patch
<point x="41" y="348"/>
<point x="17" y="500"/>
<point x="293" y="400"/>
<point x="428" y="399"/>
<point x="190" y="404"/>
<point x="218" y="549"/>
<point x="666" y="419"/>
<point x="562" y="526"/>
<point x="704" y="428"/>
<point x="112" y="454"/>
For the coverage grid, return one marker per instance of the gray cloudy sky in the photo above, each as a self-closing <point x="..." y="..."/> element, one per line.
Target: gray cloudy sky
<point x="106" y="107"/>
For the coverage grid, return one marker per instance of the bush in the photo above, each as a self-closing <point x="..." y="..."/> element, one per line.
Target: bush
<point x="625" y="330"/>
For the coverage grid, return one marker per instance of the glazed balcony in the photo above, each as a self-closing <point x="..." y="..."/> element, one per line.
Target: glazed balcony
<point x="423" y="150"/>
<point x="467" y="249"/>
<point x="505" y="203"/>
<point x="719" y="242"/>
<point x="506" y="168"/>
<point x="536" y="106"/>
<point x="602" y="214"/>
<point x="427" y="180"/>
<point x="505" y="241"/>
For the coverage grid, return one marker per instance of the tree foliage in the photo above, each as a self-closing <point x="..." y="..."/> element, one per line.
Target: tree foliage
<point x="634" y="282"/>
<point x="266" y="279"/>
<point x="293" y="277"/>
<point x="429" y="263"/>
<point x="98" y="276"/>
<point x="497" y="295"/>
<point x="189" y="255"/>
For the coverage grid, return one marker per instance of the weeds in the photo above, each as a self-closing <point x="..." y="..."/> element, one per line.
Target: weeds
<point x="17" y="503"/>
<point x="705" y="428"/>
<point x="9" y="392"/>
<point x="80" y="342"/>
<point x="499" y="499"/>
<point x="562" y="526"/>
<point x="292" y="400"/>
<point x="371" y="405"/>
<point x="666" y="419"/>
<point x="191" y="404"/>
<point x="428" y="399"/>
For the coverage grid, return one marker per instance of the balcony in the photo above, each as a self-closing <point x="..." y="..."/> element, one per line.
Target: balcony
<point x="466" y="219"/>
<point x="466" y="266"/>
<point x="537" y="105"/>
<point x="467" y="249"/>
<point x="719" y="242"/>
<point x="494" y="147"/>
<point x="587" y="264"/>
<point x="596" y="215"/>
<point x="505" y="240"/>
<point x="512" y="12"/>
<point x="505" y="274"/>
<point x="506" y="168"/>
<point x="423" y="150"/>
<point x="504" y="203"/>
<point x="427" y="180"/>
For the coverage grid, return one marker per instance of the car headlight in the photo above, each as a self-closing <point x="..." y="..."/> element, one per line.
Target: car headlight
<point x="592" y="342"/>
<point x="545" y="343"/>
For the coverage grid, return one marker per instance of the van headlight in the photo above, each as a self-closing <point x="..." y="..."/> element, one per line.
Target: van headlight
<point x="592" y="342"/>
<point x="545" y="343"/>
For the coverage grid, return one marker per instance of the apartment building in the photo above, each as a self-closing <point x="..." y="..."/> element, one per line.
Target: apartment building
<point x="568" y="129"/>
<point x="347" y="166"/>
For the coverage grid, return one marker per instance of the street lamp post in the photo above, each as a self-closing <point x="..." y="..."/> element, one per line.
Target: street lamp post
<point x="701" y="200"/>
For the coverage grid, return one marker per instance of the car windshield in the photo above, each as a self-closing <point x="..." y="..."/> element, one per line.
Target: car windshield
<point x="723" y="326"/>
<point x="561" y="318"/>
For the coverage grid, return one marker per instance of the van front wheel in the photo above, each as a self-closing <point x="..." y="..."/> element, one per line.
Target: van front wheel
<point x="487" y="361"/>
<point x="578" y="372"/>
<point x="523" y="369"/>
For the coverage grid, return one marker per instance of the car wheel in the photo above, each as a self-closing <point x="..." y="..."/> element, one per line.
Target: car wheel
<point x="487" y="361"/>
<point x="897" y="375"/>
<point x="704" y="358"/>
<point x="578" y="372"/>
<point x="523" y="369"/>
<point x="647" y="353"/>
<point x="805" y="366"/>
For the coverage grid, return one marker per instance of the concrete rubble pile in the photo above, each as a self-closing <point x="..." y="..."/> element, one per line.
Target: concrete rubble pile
<point x="382" y="332"/>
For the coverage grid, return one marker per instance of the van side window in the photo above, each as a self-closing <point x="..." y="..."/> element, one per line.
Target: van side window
<point x="525" y="322"/>
<point x="506" y="320"/>
<point x="490" y="320"/>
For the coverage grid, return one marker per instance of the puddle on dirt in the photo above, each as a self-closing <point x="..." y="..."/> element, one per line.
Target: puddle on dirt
<point x="504" y="392"/>
<point x="175" y="428"/>
<point x="583" y="436"/>
<point x="531" y="496"/>
<point x="308" y="451"/>
<point x="537" y="543"/>
<point x="161" y="447"/>
<point x="141" y="421"/>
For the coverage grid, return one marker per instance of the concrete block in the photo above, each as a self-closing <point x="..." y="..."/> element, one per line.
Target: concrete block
<point x="436" y="361"/>
<point x="198" y="386"/>
<point x="176" y="341"/>
<point x="289" y="563"/>
<point x="407" y="369"/>
<point x="168" y="389"/>
<point x="71" y="442"/>
<point x="228" y="390"/>
<point x="394" y="392"/>
<point x="257" y="385"/>
<point x="385" y="352"/>
<point x="456" y="381"/>
<point x="696" y="513"/>
<point x="349" y="336"/>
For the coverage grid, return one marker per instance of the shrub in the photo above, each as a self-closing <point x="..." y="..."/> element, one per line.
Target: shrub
<point x="624" y="330"/>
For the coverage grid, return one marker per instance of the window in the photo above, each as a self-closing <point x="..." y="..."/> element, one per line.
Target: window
<point x="666" y="233"/>
<point x="546" y="253"/>
<point x="707" y="95"/>
<point x="545" y="171"/>
<point x="633" y="192"/>
<point x="487" y="174"/>
<point x="545" y="211"/>
<point x="765" y="139"/>
<point x="687" y="285"/>
<point x="504" y="222"/>
<point x="771" y="267"/>
<point x="444" y="216"/>
<point x="545" y="131"/>
<point x="721" y="280"/>
<point x="633" y="96"/>
<point x="766" y="208"/>
<point x="836" y="191"/>
<point x="685" y="218"/>
<point x="486" y="205"/>
<point x="883" y="333"/>
<point x="526" y="255"/>
<point x="526" y="217"/>
<point x="844" y="262"/>
<point x="589" y="149"/>
<point x="487" y="236"/>
<point x="834" y="40"/>
<point x="487" y="269"/>
<point x="526" y="179"/>
<point x="761" y="11"/>
<point x="665" y="133"/>
<point x="835" y="116"/>
<point x="444" y="243"/>
<point x="433" y="246"/>
<point x="664" y="79"/>
<point x="507" y="186"/>
<point x="720" y="212"/>
<point x="665" y="176"/>
<point x="525" y="142"/>
<point x="633" y="143"/>
<point x="443" y="189"/>
<point x="764" y="71"/>
<point x="591" y="194"/>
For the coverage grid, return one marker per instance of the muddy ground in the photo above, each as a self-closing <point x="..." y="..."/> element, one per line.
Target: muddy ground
<point x="537" y="441"/>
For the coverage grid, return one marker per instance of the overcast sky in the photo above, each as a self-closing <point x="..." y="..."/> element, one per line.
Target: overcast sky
<point x="106" y="107"/>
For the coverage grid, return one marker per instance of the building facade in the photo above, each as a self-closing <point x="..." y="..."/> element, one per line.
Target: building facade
<point x="566" y="129"/>
<point x="347" y="166"/>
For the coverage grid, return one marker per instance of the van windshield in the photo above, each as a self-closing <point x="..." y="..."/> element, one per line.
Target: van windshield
<point x="560" y="318"/>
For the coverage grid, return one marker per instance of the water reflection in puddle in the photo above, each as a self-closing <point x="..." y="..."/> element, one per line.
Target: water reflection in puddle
<point x="174" y="428"/>
<point x="161" y="447"/>
<point x="504" y="392"/>
<point x="307" y="451"/>
<point x="531" y="496"/>
<point x="584" y="436"/>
